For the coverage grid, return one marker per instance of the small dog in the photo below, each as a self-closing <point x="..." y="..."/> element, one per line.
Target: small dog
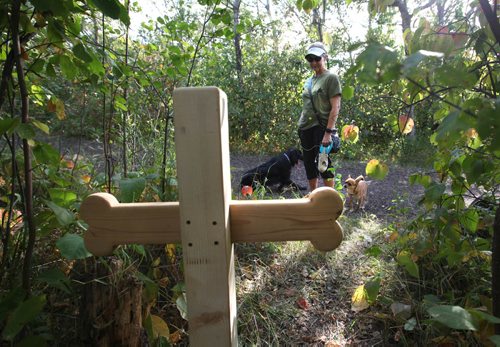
<point x="357" y="190"/>
<point x="276" y="170"/>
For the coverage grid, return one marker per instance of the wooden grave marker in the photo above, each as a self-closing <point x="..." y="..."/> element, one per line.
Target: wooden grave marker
<point x="206" y="221"/>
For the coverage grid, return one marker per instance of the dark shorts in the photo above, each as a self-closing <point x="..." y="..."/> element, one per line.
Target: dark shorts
<point x="310" y="140"/>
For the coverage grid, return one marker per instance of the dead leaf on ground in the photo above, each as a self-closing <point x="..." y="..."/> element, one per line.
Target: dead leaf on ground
<point x="303" y="304"/>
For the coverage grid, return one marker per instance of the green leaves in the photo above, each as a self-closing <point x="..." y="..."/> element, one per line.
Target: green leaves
<point x="72" y="247"/>
<point x="131" y="188"/>
<point x="434" y="191"/>
<point x="414" y="60"/>
<point x="307" y="5"/>
<point x="64" y="216"/>
<point x="379" y="6"/>
<point x="372" y="288"/>
<point x="56" y="8"/>
<point x="454" y="317"/>
<point x="68" y="68"/>
<point x="23" y="314"/>
<point x="8" y="125"/>
<point x="488" y="124"/>
<point x="113" y="9"/>
<point x="62" y="196"/>
<point x="378" y="64"/>
<point x="452" y="127"/>
<point x="404" y="259"/>
<point x="81" y="52"/>
<point x="55" y="278"/>
<point x="46" y="154"/>
<point x="376" y="169"/>
<point x="347" y="92"/>
<point x="469" y="220"/>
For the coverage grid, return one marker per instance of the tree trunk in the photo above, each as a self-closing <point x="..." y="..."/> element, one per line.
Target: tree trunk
<point x="125" y="96"/>
<point x="237" y="42"/>
<point x="405" y="19"/>
<point x="440" y="6"/>
<point x="491" y="17"/>
<point x="111" y="313"/>
<point x="28" y="176"/>
<point x="318" y="24"/>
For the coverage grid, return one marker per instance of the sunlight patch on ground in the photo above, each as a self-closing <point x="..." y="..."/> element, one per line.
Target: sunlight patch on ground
<point x="289" y="293"/>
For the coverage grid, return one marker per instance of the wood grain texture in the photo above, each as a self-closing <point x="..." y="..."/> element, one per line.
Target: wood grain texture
<point x="112" y="224"/>
<point x="313" y="218"/>
<point x="202" y="152"/>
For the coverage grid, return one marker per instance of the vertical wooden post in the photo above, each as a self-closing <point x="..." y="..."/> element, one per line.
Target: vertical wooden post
<point x="202" y="151"/>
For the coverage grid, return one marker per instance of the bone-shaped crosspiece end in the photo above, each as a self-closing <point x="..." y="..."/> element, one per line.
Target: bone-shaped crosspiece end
<point x="112" y="223"/>
<point x="313" y="218"/>
<point x="328" y="201"/>
<point x="92" y="208"/>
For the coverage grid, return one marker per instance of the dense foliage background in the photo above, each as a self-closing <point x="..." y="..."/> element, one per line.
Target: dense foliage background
<point x="420" y="86"/>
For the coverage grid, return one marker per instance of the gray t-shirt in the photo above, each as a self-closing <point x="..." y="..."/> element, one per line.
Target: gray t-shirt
<point x="323" y="88"/>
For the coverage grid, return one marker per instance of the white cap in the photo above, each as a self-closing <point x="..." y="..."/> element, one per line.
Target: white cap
<point x="317" y="51"/>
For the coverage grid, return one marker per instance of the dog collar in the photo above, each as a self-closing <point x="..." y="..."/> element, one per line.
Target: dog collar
<point x="287" y="158"/>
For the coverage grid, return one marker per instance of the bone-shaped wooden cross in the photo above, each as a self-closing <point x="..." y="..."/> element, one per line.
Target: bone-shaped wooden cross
<point x="206" y="221"/>
<point x="313" y="218"/>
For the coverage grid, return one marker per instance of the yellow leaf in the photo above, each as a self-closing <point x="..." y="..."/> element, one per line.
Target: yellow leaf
<point x="56" y="105"/>
<point x="156" y="262"/>
<point x="359" y="299"/>
<point x="175" y="337"/>
<point x="376" y="169"/>
<point x="405" y="124"/>
<point x="350" y="133"/>
<point x="393" y="236"/>
<point x="471" y="133"/>
<point x="160" y="328"/>
<point x="86" y="178"/>
<point x="170" y="250"/>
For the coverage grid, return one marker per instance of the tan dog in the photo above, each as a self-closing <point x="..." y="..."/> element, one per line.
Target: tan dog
<point x="357" y="190"/>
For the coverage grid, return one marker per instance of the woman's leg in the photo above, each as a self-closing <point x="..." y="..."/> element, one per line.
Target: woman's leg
<point x="329" y="182"/>
<point x="310" y="149"/>
<point x="313" y="184"/>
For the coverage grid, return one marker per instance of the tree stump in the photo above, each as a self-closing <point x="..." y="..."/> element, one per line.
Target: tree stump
<point x="111" y="307"/>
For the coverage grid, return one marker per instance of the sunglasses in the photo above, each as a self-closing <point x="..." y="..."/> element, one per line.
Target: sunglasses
<point x="311" y="58"/>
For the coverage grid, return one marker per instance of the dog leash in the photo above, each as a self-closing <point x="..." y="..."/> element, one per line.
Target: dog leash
<point x="286" y="156"/>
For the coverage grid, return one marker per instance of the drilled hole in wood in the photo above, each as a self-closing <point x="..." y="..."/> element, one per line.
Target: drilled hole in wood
<point x="190" y="244"/>
<point x="188" y="222"/>
<point x="214" y="223"/>
<point x="216" y="243"/>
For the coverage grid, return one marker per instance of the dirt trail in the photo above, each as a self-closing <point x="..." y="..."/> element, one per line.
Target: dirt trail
<point x="385" y="196"/>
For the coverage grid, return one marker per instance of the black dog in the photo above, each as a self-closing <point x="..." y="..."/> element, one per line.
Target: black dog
<point x="276" y="170"/>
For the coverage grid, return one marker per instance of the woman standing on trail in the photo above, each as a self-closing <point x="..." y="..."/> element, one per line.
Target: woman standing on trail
<point x="320" y="109"/>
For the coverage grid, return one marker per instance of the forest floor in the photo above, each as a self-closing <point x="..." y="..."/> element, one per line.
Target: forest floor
<point x="291" y="294"/>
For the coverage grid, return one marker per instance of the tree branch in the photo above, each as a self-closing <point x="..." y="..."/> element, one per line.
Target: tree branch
<point x="28" y="193"/>
<point x="491" y="18"/>
<point x="423" y="7"/>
